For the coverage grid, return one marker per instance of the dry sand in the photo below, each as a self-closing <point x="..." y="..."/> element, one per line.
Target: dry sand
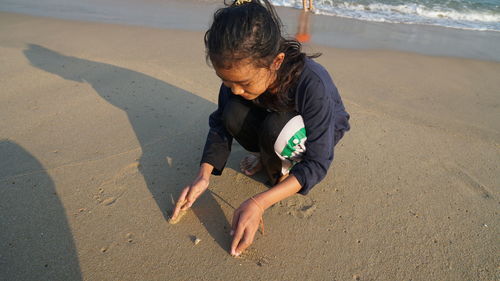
<point x="100" y="124"/>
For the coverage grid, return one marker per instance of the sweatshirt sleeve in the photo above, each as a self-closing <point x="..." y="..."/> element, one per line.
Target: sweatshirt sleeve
<point x="316" y="104"/>
<point x="218" y="144"/>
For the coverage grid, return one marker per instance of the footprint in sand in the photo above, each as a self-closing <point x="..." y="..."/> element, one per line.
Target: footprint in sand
<point x="111" y="190"/>
<point x="298" y="206"/>
<point x="108" y="201"/>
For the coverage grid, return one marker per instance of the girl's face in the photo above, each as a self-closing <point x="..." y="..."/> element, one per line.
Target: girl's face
<point x="248" y="81"/>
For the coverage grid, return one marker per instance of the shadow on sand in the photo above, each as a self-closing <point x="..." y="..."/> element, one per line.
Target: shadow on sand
<point x="35" y="239"/>
<point x="168" y="122"/>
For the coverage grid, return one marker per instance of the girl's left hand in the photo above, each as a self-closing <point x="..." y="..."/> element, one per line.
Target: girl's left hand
<point x="246" y="221"/>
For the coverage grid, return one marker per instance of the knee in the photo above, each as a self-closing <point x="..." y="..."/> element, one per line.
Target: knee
<point x="273" y="126"/>
<point x="270" y="128"/>
<point x="234" y="116"/>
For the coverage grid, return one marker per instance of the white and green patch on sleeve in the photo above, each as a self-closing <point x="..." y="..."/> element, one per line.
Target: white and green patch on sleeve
<point x="290" y="144"/>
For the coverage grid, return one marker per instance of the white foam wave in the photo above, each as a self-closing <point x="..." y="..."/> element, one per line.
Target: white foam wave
<point x="407" y="13"/>
<point x="420" y="10"/>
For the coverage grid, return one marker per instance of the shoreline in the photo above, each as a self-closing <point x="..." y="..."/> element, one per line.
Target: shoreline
<point x="326" y="30"/>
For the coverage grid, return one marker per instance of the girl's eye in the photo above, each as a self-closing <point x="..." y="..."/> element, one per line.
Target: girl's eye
<point x="246" y="85"/>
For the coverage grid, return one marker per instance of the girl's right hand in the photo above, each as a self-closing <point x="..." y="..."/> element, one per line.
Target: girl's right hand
<point x="189" y="194"/>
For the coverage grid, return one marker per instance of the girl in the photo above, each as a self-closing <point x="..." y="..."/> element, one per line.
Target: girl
<point x="276" y="102"/>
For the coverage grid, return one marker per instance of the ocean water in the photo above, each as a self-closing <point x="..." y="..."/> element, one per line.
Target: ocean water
<point x="462" y="14"/>
<point x="335" y="31"/>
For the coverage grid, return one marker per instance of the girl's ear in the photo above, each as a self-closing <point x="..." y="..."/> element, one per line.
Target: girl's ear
<point x="278" y="60"/>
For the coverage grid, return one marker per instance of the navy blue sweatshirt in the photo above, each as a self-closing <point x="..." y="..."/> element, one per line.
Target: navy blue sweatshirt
<point x="318" y="102"/>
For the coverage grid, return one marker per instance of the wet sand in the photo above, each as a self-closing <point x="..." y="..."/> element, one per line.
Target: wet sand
<point x="102" y="123"/>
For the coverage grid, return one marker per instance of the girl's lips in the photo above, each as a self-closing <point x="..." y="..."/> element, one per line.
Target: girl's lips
<point x="248" y="97"/>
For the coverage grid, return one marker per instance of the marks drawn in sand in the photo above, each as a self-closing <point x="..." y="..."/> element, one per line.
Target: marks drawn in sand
<point x="252" y="255"/>
<point x="471" y="184"/>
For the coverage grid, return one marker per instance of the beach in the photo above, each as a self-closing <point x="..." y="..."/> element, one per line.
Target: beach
<point x="102" y="125"/>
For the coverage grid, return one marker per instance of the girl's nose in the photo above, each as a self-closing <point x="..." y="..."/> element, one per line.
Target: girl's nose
<point x="237" y="90"/>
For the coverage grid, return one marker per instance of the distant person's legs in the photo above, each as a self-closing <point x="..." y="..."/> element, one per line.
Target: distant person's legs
<point x="306" y="7"/>
<point x="303" y="35"/>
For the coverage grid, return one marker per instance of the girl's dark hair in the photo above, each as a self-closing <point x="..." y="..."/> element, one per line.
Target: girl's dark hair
<point x="252" y="29"/>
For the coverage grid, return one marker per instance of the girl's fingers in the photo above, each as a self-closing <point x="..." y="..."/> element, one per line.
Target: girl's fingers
<point x="180" y="201"/>
<point x="191" y="197"/>
<point x="195" y="190"/>
<point x="234" y="223"/>
<point x="238" y="234"/>
<point x="244" y="226"/>
<point x="245" y="242"/>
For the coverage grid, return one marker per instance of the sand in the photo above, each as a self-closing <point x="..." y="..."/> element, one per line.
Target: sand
<point x="101" y="123"/>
